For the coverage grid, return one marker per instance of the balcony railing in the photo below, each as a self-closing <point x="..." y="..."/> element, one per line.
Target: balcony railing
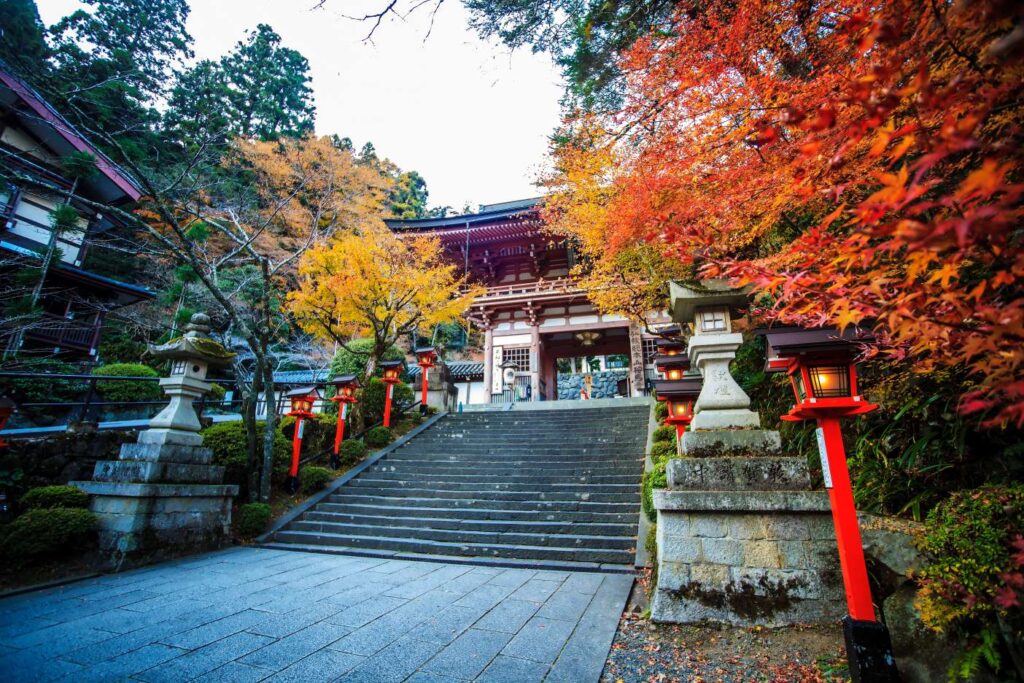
<point x="554" y="286"/>
<point x="60" y="331"/>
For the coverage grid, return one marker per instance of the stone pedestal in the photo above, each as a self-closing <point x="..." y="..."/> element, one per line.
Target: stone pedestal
<point x="160" y="497"/>
<point x="745" y="541"/>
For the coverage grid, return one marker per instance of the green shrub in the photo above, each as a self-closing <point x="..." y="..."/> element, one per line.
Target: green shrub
<point x="351" y="451"/>
<point x="977" y="574"/>
<point x="662" y="450"/>
<point x="378" y="437"/>
<point x="217" y="393"/>
<point x="253" y="519"/>
<point x="665" y="433"/>
<point x="660" y="411"/>
<point x="228" y="443"/>
<point x="57" y="532"/>
<point x="47" y="497"/>
<point x="314" y="478"/>
<point x="317" y="435"/>
<point x="651" y="543"/>
<point x="140" y="390"/>
<point x="654" y="478"/>
<point x="371" y="399"/>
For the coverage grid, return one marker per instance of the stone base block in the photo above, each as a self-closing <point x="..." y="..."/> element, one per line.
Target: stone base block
<point x="746" y="566"/>
<point x="152" y="472"/>
<point x="726" y="418"/>
<point x="159" y="519"/>
<point x="732" y="474"/>
<point x="153" y="452"/>
<point x="731" y="443"/>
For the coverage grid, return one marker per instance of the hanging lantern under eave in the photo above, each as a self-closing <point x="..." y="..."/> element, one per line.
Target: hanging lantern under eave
<point x="345" y="389"/>
<point x="680" y="397"/>
<point x="302" y="401"/>
<point x="671" y="347"/>
<point x="672" y="367"/>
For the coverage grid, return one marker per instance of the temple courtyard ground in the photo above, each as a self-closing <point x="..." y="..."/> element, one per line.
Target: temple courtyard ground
<point x="251" y="614"/>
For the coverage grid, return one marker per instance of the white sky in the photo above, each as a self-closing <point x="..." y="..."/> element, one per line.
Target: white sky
<point x="469" y="115"/>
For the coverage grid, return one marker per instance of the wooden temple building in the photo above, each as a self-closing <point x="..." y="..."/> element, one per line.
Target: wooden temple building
<point x="543" y="339"/>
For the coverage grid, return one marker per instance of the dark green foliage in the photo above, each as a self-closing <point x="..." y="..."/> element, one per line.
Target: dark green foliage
<point x="41" y="390"/>
<point x="660" y="411"/>
<point x="371" y="399"/>
<point x="119" y="345"/>
<point x="253" y="519"/>
<point x="408" y="196"/>
<point x="217" y="392"/>
<point x="314" y="479"/>
<point x="227" y="440"/>
<point x="46" y="497"/>
<point x="351" y="451"/>
<point x="352" y="360"/>
<point x="39" y="534"/>
<point x="663" y="449"/>
<point x="584" y="38"/>
<point x="78" y="165"/>
<point x="127" y="390"/>
<point x="260" y="89"/>
<point x="22" y="44"/>
<point x="378" y="437"/>
<point x="664" y="433"/>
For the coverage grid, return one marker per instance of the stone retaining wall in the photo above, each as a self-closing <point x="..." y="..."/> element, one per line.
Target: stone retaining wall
<point x="605" y="384"/>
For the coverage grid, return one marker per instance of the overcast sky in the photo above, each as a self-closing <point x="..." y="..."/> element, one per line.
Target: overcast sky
<point x="471" y="117"/>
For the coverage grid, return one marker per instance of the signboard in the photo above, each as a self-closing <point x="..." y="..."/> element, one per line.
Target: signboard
<point x="302" y="428"/>
<point x="823" y="454"/>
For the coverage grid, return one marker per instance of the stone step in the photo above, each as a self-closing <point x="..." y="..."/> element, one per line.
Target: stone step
<point x="429" y="474"/>
<point x="463" y="549"/>
<point x="482" y="514"/>
<point x="490" y="537"/>
<point x="477" y="488"/>
<point x="417" y="519"/>
<point x="519" y="505"/>
<point x="504" y="457"/>
<point x="505" y="496"/>
<point x="441" y="468"/>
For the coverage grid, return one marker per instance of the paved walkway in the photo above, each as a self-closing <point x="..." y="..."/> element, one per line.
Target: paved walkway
<point x="250" y="614"/>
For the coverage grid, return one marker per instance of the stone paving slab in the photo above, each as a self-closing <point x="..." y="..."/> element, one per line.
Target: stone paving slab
<point x="261" y="614"/>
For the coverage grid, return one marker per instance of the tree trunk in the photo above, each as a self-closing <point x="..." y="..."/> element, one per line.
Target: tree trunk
<point x="268" y="433"/>
<point x="252" y="469"/>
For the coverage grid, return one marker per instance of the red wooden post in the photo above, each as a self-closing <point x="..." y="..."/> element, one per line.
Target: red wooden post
<point x="296" y="448"/>
<point x="423" y="400"/>
<point x="844" y="516"/>
<point x="339" y="435"/>
<point x="387" y="405"/>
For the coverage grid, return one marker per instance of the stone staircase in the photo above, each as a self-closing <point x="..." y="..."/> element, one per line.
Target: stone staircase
<point x="555" y="487"/>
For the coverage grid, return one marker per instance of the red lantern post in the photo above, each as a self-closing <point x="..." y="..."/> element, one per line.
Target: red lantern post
<point x="426" y="358"/>
<point x="678" y="390"/>
<point x="824" y="379"/>
<point x="392" y="369"/>
<point x="302" y="401"/>
<point x="7" y="408"/>
<point x="344" y="394"/>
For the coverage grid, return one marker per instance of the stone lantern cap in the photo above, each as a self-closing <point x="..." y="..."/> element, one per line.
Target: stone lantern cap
<point x="685" y="299"/>
<point x="194" y="344"/>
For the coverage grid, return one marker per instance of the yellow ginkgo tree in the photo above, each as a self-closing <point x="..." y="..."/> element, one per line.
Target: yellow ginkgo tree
<point x="370" y="283"/>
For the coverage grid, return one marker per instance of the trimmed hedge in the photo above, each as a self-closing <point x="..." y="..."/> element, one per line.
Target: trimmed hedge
<point x="379" y="437"/>
<point x="317" y="434"/>
<point x="253" y="519"/>
<point x="663" y="449"/>
<point x="56" y="532"/>
<point x="49" y="497"/>
<point x="660" y="410"/>
<point x="664" y="433"/>
<point x="351" y="451"/>
<point x="128" y="390"/>
<point x="314" y="478"/>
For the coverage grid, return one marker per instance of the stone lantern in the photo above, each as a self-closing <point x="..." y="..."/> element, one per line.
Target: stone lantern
<point x="162" y="495"/>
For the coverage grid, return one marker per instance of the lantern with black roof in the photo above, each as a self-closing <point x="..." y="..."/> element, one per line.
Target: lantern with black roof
<point x="680" y="396"/>
<point x="821" y="369"/>
<point x="392" y="370"/>
<point x="426" y="358"/>
<point x="344" y="393"/>
<point x="302" y="401"/>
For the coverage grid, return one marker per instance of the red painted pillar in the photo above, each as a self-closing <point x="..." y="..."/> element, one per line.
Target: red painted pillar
<point x="339" y="434"/>
<point x="680" y="429"/>
<point x="844" y="516"/>
<point x="387" y="406"/>
<point x="296" y="448"/>
<point x="423" y="401"/>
